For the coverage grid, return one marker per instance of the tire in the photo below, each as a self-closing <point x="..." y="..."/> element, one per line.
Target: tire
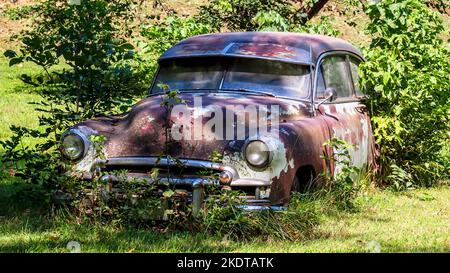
<point x="303" y="185"/>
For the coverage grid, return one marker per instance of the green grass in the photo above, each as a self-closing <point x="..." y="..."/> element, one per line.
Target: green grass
<point x="14" y="101"/>
<point x="415" y="221"/>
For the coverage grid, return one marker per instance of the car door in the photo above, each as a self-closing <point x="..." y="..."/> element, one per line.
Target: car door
<point x="345" y="116"/>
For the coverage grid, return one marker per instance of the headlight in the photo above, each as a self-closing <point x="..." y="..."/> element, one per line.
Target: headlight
<point x="257" y="153"/>
<point x="73" y="145"/>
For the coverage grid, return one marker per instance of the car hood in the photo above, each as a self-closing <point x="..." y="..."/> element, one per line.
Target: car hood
<point x="145" y="130"/>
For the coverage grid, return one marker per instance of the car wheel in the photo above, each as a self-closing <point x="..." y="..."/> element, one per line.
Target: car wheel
<point x="303" y="185"/>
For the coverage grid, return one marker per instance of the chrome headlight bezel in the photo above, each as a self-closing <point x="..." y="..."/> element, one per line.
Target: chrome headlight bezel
<point x="83" y="141"/>
<point x="267" y="149"/>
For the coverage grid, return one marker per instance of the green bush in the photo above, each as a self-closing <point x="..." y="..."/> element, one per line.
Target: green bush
<point x="407" y="78"/>
<point x="323" y="26"/>
<point x="87" y="42"/>
<point x="267" y="15"/>
<point x="247" y="15"/>
<point x="165" y="33"/>
<point x="36" y="173"/>
<point x="270" y="21"/>
<point x="342" y="188"/>
<point x="89" y="69"/>
<point x="162" y="34"/>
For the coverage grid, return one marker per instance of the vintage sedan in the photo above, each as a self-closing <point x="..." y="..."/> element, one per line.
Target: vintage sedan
<point x="311" y="79"/>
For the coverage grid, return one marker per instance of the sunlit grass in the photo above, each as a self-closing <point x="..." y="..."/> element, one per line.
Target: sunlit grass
<point x="14" y="98"/>
<point x="415" y="221"/>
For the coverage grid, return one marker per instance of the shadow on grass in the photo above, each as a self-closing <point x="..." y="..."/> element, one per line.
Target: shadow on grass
<point x="35" y="233"/>
<point x="30" y="226"/>
<point x="17" y="197"/>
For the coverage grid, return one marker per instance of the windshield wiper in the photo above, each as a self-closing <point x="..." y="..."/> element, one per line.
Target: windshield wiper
<point x="249" y="91"/>
<point x="182" y="91"/>
<point x="195" y="89"/>
<point x="260" y="93"/>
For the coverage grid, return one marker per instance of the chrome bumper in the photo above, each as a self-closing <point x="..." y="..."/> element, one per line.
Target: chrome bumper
<point x="262" y="208"/>
<point x="196" y="183"/>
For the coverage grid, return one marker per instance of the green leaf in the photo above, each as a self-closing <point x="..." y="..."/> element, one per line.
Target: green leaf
<point x="168" y="193"/>
<point x="14" y="61"/>
<point x="10" y="53"/>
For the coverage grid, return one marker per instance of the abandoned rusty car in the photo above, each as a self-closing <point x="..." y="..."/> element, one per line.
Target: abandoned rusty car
<point x="311" y="79"/>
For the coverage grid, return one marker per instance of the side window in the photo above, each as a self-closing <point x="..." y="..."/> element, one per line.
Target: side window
<point x="334" y="70"/>
<point x="320" y="92"/>
<point x="354" y="70"/>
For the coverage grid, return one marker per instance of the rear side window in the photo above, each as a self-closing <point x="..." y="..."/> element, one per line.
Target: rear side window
<point x="335" y="75"/>
<point x="354" y="70"/>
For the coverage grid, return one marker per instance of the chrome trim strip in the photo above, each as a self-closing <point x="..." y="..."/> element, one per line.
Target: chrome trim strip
<point x="242" y="182"/>
<point x="164" y="161"/>
<point x="261" y="208"/>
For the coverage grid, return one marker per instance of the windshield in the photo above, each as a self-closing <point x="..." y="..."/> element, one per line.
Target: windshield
<point x="234" y="74"/>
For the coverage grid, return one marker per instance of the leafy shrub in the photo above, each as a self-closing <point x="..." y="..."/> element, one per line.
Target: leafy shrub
<point x="172" y="29"/>
<point x="268" y="15"/>
<point x="89" y="69"/>
<point x="39" y="171"/>
<point x="323" y="26"/>
<point x="163" y="34"/>
<point x="342" y="188"/>
<point x="246" y="15"/>
<point x="400" y="179"/>
<point x="406" y="76"/>
<point x="97" y="71"/>
<point x="224" y="216"/>
<point x="270" y="21"/>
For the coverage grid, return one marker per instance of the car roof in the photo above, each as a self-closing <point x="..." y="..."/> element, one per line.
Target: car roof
<point x="281" y="46"/>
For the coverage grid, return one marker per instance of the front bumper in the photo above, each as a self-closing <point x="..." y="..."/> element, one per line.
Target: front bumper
<point x="195" y="182"/>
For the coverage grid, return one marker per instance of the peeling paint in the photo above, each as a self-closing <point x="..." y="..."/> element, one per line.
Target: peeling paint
<point x="278" y="164"/>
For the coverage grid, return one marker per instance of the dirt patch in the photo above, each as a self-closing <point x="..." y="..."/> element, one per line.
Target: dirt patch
<point x="16" y="3"/>
<point x="9" y="28"/>
<point x="349" y="21"/>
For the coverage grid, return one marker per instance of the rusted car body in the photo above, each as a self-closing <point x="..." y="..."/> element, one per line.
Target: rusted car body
<point x="136" y="141"/>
